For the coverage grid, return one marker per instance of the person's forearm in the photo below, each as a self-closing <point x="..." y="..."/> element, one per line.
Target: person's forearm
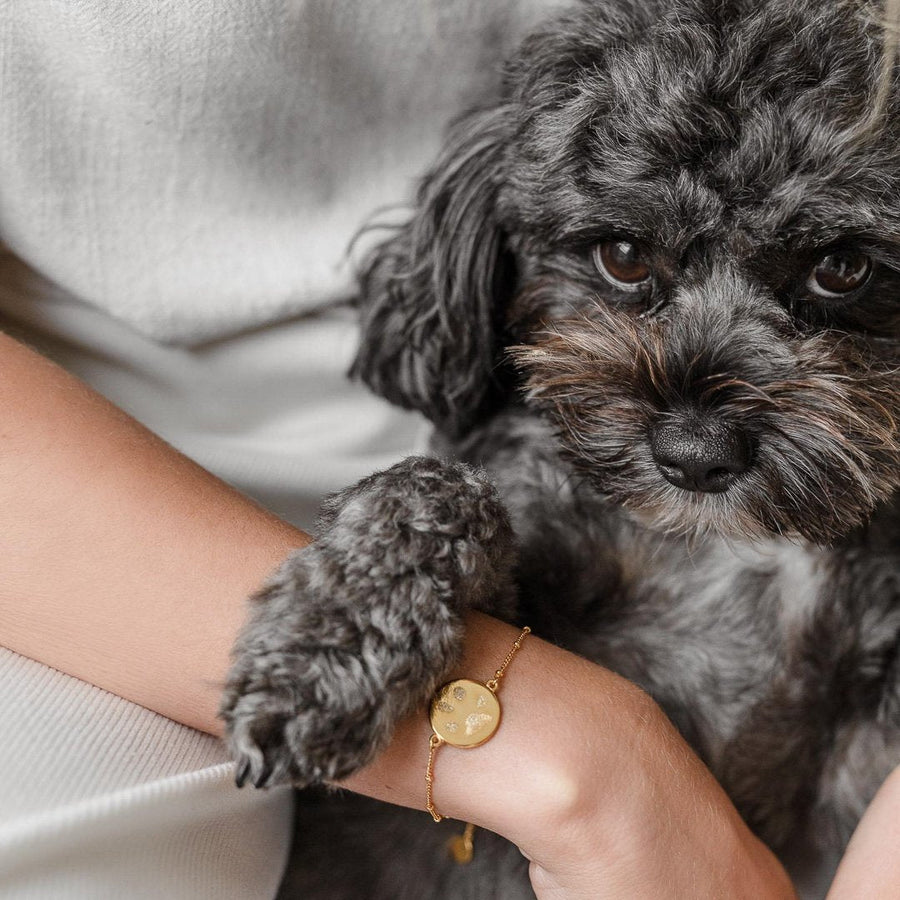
<point x="122" y="562"/>
<point x="871" y="866"/>
<point x="125" y="564"/>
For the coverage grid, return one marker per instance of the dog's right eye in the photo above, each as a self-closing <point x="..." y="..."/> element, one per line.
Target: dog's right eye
<point x="620" y="262"/>
<point x="840" y="272"/>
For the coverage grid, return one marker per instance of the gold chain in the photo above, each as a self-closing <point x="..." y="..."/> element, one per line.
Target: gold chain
<point x="433" y="744"/>
<point x="494" y="683"/>
<point x="462" y="846"/>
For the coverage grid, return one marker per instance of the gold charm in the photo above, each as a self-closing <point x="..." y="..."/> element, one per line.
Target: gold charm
<point x="465" y="713"/>
<point x="461" y="846"/>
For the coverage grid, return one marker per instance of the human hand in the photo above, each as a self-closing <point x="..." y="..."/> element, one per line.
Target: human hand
<point x="660" y="826"/>
<point x="590" y="780"/>
<point x="871" y="865"/>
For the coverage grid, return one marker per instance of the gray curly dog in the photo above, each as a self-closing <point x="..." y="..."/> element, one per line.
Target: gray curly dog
<point x="650" y="299"/>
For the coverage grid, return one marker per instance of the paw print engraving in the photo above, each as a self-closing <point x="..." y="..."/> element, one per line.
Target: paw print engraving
<point x="472" y="716"/>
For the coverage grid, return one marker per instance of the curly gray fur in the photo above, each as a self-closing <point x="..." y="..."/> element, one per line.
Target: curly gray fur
<point x="318" y="685"/>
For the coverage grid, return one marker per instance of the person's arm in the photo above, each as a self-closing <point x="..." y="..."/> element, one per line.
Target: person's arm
<point x="589" y="778"/>
<point x="128" y="566"/>
<point x="871" y="866"/>
<point x="121" y="561"/>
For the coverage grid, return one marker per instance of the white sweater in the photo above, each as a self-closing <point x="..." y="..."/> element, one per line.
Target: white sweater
<point x="179" y="182"/>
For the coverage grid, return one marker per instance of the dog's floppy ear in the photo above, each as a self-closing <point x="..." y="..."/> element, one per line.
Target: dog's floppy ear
<point x="430" y="293"/>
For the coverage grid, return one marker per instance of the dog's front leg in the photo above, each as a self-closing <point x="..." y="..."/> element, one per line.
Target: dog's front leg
<point x="358" y="629"/>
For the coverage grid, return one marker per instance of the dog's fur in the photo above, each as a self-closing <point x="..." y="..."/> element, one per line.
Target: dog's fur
<point x="737" y="141"/>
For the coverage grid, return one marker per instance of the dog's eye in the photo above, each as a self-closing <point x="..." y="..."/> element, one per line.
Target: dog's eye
<point x="839" y="273"/>
<point x="621" y="264"/>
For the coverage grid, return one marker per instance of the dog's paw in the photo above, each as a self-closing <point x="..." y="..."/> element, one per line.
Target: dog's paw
<point x="357" y="630"/>
<point x="304" y="698"/>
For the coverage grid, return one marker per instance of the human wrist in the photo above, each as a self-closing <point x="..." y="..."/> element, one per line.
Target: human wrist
<point x="554" y="760"/>
<point x="651" y="822"/>
<point x="578" y="774"/>
<point x="587" y="776"/>
<point x="585" y="770"/>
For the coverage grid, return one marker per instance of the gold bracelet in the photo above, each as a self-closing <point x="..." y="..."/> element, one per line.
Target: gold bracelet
<point x="464" y="714"/>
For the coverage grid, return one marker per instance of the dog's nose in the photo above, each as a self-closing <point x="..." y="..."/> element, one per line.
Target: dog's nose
<point x="708" y="456"/>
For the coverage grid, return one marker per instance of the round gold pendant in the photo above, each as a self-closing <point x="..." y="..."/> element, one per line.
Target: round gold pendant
<point x="464" y="713"/>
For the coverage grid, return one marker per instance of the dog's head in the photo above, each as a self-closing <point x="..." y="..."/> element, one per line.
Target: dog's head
<point x="685" y="222"/>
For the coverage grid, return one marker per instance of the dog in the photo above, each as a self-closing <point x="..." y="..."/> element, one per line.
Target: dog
<point x="650" y="300"/>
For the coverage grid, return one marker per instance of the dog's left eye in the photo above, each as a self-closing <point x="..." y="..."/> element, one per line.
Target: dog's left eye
<point x="839" y="273"/>
<point x="620" y="262"/>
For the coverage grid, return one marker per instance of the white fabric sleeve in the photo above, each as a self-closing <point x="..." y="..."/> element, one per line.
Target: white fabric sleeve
<point x="104" y="800"/>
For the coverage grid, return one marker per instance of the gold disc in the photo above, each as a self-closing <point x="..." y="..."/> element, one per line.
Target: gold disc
<point x="464" y="713"/>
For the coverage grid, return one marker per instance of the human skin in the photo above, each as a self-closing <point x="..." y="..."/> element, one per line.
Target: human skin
<point x="128" y="566"/>
<point x="871" y="864"/>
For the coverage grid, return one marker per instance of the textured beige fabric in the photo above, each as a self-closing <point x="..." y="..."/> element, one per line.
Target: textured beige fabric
<point x="103" y="800"/>
<point x="199" y="168"/>
<point x="179" y="182"/>
<point x="132" y="745"/>
<point x="269" y="410"/>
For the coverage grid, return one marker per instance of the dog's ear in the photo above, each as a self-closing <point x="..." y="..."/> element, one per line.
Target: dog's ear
<point x="430" y="293"/>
